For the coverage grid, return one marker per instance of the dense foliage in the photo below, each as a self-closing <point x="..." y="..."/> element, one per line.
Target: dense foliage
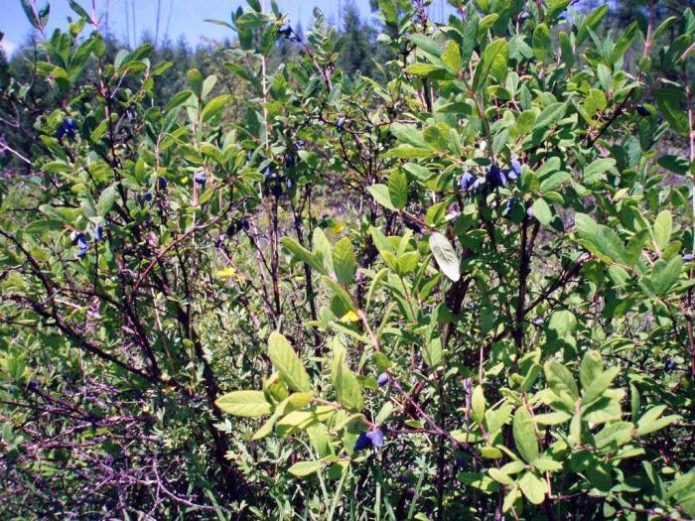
<point x="459" y="287"/>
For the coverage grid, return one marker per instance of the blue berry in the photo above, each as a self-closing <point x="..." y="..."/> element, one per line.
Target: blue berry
<point x="199" y="177"/>
<point x="495" y="177"/>
<point x="81" y="241"/>
<point x="147" y="197"/>
<point x="514" y="171"/>
<point x="383" y="379"/>
<point x="67" y="128"/>
<point x="363" y="442"/>
<point x="340" y="123"/>
<point x="467" y="181"/>
<point x="642" y="111"/>
<point x="688" y="257"/>
<point x="669" y="366"/>
<point x="162" y="183"/>
<point x="285" y="31"/>
<point x="98" y="233"/>
<point x="377" y="438"/>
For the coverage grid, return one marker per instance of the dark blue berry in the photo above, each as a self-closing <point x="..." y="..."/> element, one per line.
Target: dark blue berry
<point x="495" y="177"/>
<point x="514" y="171"/>
<point x="377" y="437"/>
<point x="363" y="442"/>
<point x="83" y="246"/>
<point x="67" y="128"/>
<point x="285" y="31"/>
<point x="79" y="238"/>
<point x="98" y="233"/>
<point x="642" y="111"/>
<point x="383" y="379"/>
<point x="199" y="177"/>
<point x="147" y="197"/>
<point x="467" y="181"/>
<point x="162" y="183"/>
<point x="669" y="366"/>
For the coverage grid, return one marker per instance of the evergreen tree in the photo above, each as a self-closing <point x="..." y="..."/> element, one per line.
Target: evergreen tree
<point x="358" y="43"/>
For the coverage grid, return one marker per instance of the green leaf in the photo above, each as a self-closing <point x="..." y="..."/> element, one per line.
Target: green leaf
<point x="495" y="51"/>
<point x="545" y="464"/>
<point x="286" y="361"/>
<point x="671" y="103"/>
<point x="623" y="44"/>
<point x="381" y="195"/>
<point x="499" y="476"/>
<point x="478" y="404"/>
<point x="250" y="404"/>
<point x="562" y="322"/>
<point x="663" y="276"/>
<point x="652" y="421"/>
<point x="470" y="35"/>
<point x="302" y="254"/>
<point x="408" y="134"/>
<point x="550" y="115"/>
<point x="591" y="368"/>
<point x="429" y="70"/>
<point x="398" y="189"/>
<point x="30" y="14"/>
<point x="446" y="256"/>
<point x="542" y="212"/>
<point x="106" y="200"/>
<point x="426" y="44"/>
<point x="662" y="229"/>
<point x="533" y="487"/>
<point x="432" y="352"/>
<point x="596" y="170"/>
<point x="214" y="106"/>
<point x="600" y="384"/>
<point x="614" y="435"/>
<point x="344" y="261"/>
<point x="305" y="468"/>
<point x="347" y="387"/>
<point x="600" y="240"/>
<point x="560" y="380"/>
<point x="79" y="10"/>
<point x="541" y="42"/>
<point x="525" y="435"/>
<point x="451" y="57"/>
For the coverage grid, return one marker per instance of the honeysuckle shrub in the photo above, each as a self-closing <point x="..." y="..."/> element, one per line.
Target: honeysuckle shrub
<point x="464" y="292"/>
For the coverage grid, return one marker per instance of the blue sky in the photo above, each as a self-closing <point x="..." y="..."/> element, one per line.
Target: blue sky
<point x="178" y="17"/>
